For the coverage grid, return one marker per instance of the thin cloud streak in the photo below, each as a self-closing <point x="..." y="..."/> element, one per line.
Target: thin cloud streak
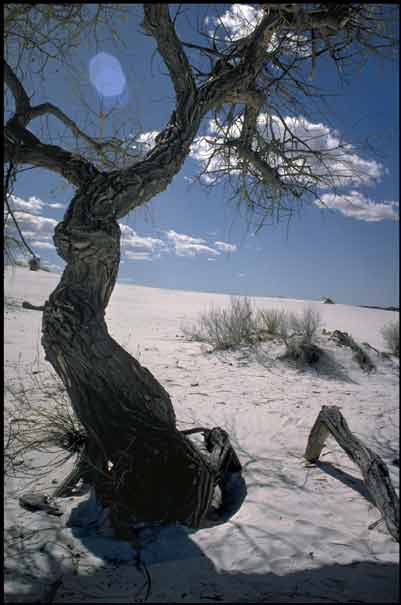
<point x="355" y="205"/>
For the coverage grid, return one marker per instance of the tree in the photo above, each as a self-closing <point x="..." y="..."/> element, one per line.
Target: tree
<point x="242" y="79"/>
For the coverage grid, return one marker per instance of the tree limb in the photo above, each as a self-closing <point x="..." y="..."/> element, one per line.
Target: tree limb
<point x="157" y="22"/>
<point x="72" y="167"/>
<point x="22" y="103"/>
<point x="22" y="146"/>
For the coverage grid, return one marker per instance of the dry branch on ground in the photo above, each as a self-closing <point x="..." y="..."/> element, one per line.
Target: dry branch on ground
<point x="374" y="470"/>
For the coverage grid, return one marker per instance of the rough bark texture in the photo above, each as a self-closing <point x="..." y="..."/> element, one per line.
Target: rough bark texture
<point x="127" y="414"/>
<point x="373" y="469"/>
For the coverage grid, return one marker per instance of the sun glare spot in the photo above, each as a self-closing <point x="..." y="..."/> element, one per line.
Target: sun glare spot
<point x="106" y="75"/>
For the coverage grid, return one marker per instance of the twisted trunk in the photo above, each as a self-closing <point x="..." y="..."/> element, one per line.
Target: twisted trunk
<point x="156" y="474"/>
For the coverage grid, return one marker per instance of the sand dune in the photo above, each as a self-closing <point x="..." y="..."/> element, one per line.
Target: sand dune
<point x="302" y="534"/>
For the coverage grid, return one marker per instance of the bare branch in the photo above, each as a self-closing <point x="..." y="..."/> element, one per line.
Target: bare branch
<point x="22" y="146"/>
<point x="22" y="103"/>
<point x="157" y="22"/>
<point x="72" y="167"/>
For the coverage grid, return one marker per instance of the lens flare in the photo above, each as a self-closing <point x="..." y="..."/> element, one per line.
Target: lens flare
<point x="106" y="75"/>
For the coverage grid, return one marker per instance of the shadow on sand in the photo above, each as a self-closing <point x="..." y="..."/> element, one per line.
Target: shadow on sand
<point x="188" y="576"/>
<point x="76" y="565"/>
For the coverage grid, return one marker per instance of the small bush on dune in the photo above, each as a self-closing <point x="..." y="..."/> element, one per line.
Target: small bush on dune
<point x="391" y="336"/>
<point x="226" y="328"/>
<point x="306" y="324"/>
<point x="238" y="325"/>
<point x="272" y="321"/>
<point x="299" y="333"/>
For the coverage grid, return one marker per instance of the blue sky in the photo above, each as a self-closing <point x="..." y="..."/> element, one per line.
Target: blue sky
<point x="189" y="239"/>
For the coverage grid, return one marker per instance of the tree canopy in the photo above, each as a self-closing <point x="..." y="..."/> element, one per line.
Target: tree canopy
<point x="249" y="72"/>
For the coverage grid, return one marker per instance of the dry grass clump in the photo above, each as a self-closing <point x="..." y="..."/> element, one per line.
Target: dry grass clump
<point x="306" y="324"/>
<point x="299" y="333"/>
<point x="39" y="418"/>
<point x="238" y="325"/>
<point x="391" y="336"/>
<point x="271" y="321"/>
<point x="226" y="328"/>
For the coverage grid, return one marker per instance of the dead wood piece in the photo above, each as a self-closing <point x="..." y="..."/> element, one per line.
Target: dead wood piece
<point x="28" y="305"/>
<point x="374" y="471"/>
<point x="343" y="339"/>
<point x="39" y="502"/>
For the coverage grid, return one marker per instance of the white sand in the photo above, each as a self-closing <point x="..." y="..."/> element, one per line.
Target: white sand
<point x="301" y="534"/>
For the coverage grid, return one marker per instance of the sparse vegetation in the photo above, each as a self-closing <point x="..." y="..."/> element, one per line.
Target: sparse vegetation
<point x="226" y="328"/>
<point x="305" y="324"/>
<point x="391" y="336"/>
<point x="39" y="418"/>
<point x="239" y="325"/>
<point x="271" y="321"/>
<point x="298" y="332"/>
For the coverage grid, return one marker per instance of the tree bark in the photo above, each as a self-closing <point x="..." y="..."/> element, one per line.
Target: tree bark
<point x="157" y="474"/>
<point x="374" y="470"/>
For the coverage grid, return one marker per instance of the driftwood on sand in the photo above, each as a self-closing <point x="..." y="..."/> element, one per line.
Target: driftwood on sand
<point x="28" y="305"/>
<point x="374" y="471"/>
<point x="343" y="339"/>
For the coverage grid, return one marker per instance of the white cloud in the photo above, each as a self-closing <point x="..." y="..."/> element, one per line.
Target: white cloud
<point x="182" y="249"/>
<point x="183" y="238"/>
<point x="356" y="205"/>
<point x="240" y="20"/>
<point x="338" y="164"/>
<point x="32" y="204"/>
<point x="138" y="247"/>
<point x="131" y="240"/>
<point x="40" y="244"/>
<point x="34" y="225"/>
<point x="186" y="245"/>
<point x="225" y="247"/>
<point x="55" y="205"/>
<point x="335" y="161"/>
<point x="37" y="230"/>
<point x="211" y="259"/>
<point x="139" y="255"/>
<point x="145" y="141"/>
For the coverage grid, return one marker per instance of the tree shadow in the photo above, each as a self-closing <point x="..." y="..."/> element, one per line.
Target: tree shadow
<point x="171" y="567"/>
<point x="189" y="576"/>
<point x="349" y="480"/>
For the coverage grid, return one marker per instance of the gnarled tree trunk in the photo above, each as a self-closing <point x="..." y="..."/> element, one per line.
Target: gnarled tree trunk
<point x="156" y="473"/>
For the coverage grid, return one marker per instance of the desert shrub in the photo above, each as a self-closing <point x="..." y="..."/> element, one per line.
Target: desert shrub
<point x="225" y="328"/>
<point x="301" y="352"/>
<point x="39" y="418"/>
<point x="298" y="332"/>
<point x="305" y="325"/>
<point x="391" y="336"/>
<point x="272" y="321"/>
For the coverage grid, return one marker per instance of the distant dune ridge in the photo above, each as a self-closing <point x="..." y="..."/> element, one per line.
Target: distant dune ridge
<point x="304" y="533"/>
